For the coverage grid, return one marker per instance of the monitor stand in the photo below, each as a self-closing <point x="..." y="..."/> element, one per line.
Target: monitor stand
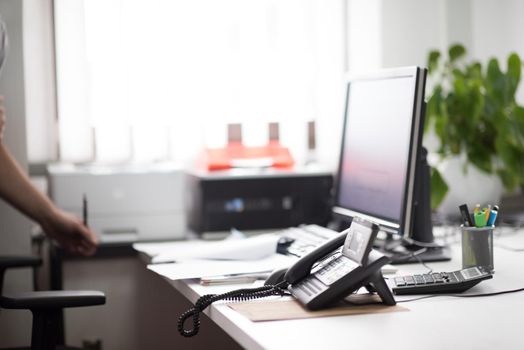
<point x="422" y="228"/>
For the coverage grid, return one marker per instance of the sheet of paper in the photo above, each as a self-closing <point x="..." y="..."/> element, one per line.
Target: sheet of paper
<point x="252" y="248"/>
<point x="205" y="268"/>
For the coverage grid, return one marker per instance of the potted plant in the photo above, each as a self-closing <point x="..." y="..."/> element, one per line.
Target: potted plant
<point x="474" y="114"/>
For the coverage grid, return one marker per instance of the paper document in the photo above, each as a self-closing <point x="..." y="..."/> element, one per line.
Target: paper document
<point x="205" y="268"/>
<point x="253" y="248"/>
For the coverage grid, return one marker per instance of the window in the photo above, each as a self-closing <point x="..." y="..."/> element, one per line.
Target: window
<point x="149" y="80"/>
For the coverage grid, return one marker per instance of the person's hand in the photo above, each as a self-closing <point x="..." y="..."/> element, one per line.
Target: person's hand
<point x="2" y="118"/>
<point x="70" y="233"/>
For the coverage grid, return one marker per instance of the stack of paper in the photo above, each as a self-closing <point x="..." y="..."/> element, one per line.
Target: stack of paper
<point x="206" y="268"/>
<point x="253" y="248"/>
<point x="194" y="259"/>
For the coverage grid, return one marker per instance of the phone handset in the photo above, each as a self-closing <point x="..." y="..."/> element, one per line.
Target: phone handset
<point x="302" y="268"/>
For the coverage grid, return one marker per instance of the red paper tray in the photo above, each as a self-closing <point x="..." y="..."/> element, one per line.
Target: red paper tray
<point x="237" y="155"/>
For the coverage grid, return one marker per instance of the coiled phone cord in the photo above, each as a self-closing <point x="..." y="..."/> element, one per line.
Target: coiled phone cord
<point x="236" y="295"/>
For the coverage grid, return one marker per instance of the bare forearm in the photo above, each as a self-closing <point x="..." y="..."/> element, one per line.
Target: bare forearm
<point x="17" y="189"/>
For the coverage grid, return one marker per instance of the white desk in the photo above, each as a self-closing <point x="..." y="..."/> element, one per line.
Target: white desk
<point x="495" y="322"/>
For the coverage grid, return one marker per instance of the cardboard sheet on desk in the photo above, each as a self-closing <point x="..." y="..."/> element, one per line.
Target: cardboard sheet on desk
<point x="290" y="309"/>
<point x="206" y="268"/>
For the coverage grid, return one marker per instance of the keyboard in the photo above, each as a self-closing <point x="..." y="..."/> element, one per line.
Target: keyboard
<point x="440" y="282"/>
<point x="298" y="241"/>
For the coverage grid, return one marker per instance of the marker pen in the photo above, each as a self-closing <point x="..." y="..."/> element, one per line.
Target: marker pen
<point x="480" y="219"/>
<point x="84" y="209"/>
<point x="493" y="215"/>
<point x="477" y="209"/>
<point x="487" y="212"/>
<point x="466" y="217"/>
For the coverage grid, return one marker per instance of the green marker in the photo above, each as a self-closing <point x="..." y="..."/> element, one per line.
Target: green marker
<point x="480" y="219"/>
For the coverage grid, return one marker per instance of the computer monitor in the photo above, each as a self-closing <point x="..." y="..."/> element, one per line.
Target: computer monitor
<point x="382" y="174"/>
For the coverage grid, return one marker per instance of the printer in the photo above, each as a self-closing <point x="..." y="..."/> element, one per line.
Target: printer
<point x="124" y="203"/>
<point x="258" y="198"/>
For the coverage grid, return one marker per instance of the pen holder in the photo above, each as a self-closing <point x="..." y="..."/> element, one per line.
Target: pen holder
<point x="477" y="247"/>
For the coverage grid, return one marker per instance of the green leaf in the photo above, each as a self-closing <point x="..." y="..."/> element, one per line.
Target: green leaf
<point x="509" y="133"/>
<point x="513" y="163"/>
<point x="514" y="73"/>
<point x="455" y="52"/>
<point x="431" y="111"/>
<point x="460" y="87"/>
<point x="473" y="110"/>
<point x="474" y="71"/>
<point x="494" y="73"/>
<point x="476" y="101"/>
<point x="433" y="58"/>
<point x="509" y="180"/>
<point x="518" y="116"/>
<point x="439" y="188"/>
<point x="481" y="158"/>
<point x="495" y="81"/>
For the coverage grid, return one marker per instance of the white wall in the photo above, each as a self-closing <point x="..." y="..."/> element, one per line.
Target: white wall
<point x="410" y="28"/>
<point x="487" y="28"/>
<point x="15" y="326"/>
<point x="40" y="80"/>
<point x="457" y="24"/>
<point x="364" y="35"/>
<point x="497" y="27"/>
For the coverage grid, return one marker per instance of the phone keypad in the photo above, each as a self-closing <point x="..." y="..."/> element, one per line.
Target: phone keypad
<point x="335" y="270"/>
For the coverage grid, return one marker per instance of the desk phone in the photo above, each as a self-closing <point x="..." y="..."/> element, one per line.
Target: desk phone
<point x="319" y="279"/>
<point x="441" y="282"/>
<point x="340" y="267"/>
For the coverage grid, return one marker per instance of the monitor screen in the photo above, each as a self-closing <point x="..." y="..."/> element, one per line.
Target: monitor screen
<point x="380" y="141"/>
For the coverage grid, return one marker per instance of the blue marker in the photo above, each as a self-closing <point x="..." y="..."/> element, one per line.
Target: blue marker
<point x="493" y="215"/>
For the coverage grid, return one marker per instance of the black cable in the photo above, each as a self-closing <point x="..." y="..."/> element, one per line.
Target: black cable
<point x="293" y="254"/>
<point x="236" y="295"/>
<point x="415" y="255"/>
<point x="422" y="244"/>
<point x="487" y="294"/>
<point x="419" y="298"/>
<point x="464" y="295"/>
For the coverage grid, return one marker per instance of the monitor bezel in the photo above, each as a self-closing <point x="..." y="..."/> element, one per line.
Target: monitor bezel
<point x="405" y="223"/>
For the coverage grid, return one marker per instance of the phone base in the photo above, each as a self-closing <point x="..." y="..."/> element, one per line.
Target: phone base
<point x="378" y="284"/>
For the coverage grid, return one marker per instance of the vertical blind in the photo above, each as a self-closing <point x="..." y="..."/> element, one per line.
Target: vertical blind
<point x="149" y="80"/>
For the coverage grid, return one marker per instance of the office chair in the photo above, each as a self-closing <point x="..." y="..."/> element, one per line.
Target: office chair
<point x="46" y="306"/>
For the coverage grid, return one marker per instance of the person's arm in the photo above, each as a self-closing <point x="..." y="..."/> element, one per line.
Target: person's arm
<point x="2" y="119"/>
<point x="17" y="189"/>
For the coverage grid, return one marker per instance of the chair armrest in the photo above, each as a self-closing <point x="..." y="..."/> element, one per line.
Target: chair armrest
<point x="52" y="299"/>
<point x="8" y="261"/>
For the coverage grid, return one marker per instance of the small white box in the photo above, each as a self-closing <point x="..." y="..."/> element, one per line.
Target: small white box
<point x="125" y="203"/>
